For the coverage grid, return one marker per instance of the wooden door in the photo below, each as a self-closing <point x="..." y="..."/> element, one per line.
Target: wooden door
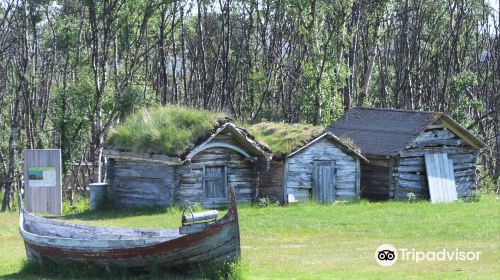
<point x="440" y="177"/>
<point x="323" y="181"/>
<point x="215" y="182"/>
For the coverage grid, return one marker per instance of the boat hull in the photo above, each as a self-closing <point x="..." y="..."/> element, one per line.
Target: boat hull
<point x="220" y="241"/>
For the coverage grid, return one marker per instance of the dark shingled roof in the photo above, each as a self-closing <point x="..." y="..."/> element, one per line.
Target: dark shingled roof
<point x="387" y="131"/>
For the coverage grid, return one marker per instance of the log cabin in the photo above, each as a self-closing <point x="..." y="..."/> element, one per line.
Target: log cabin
<point x="406" y="148"/>
<point x="308" y="163"/>
<point x="201" y="170"/>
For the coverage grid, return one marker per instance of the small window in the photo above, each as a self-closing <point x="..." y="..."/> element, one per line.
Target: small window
<point x="215" y="181"/>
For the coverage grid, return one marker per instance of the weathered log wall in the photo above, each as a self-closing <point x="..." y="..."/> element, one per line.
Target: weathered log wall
<point x="139" y="183"/>
<point x="410" y="175"/>
<point x="271" y="182"/>
<point x="241" y="175"/>
<point x="299" y="171"/>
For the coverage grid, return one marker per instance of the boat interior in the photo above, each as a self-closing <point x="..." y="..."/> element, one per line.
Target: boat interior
<point x="54" y="228"/>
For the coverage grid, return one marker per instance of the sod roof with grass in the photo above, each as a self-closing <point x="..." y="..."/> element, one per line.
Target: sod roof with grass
<point x="170" y="130"/>
<point x="284" y="138"/>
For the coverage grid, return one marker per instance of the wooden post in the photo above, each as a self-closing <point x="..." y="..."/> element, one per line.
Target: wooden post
<point x="42" y="177"/>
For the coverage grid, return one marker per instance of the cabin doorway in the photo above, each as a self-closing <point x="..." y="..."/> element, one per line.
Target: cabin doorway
<point x="323" y="180"/>
<point x="215" y="181"/>
<point x="376" y="179"/>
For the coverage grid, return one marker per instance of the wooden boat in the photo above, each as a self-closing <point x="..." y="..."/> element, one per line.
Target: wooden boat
<point x="132" y="248"/>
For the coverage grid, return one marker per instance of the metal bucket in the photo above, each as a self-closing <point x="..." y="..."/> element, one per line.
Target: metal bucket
<point x="98" y="195"/>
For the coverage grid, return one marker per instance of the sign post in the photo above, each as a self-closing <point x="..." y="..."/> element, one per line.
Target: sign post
<point x="42" y="181"/>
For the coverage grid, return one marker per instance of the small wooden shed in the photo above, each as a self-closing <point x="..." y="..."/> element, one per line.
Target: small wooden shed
<point x="307" y="163"/>
<point x="406" y="148"/>
<point x="223" y="157"/>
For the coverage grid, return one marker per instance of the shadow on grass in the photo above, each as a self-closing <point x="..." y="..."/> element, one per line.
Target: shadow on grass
<point x="51" y="270"/>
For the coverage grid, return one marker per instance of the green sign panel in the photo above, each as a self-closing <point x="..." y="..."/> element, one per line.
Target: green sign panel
<point x="42" y="176"/>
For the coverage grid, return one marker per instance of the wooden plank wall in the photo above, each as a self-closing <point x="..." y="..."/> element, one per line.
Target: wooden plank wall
<point x="271" y="182"/>
<point x="241" y="174"/>
<point x="43" y="199"/>
<point x="410" y="175"/>
<point x="298" y="179"/>
<point x="140" y="183"/>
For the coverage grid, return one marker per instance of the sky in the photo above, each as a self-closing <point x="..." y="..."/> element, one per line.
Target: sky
<point x="495" y="5"/>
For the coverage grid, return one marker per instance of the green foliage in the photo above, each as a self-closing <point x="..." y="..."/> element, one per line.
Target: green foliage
<point x="462" y="81"/>
<point x="220" y="271"/>
<point x="73" y="109"/>
<point x="14" y="203"/>
<point x="283" y="138"/>
<point x="132" y="99"/>
<point x="486" y="184"/>
<point x="332" y="106"/>
<point x="80" y="205"/>
<point x="473" y="196"/>
<point x="170" y="130"/>
<point x="411" y="197"/>
<point x="460" y="84"/>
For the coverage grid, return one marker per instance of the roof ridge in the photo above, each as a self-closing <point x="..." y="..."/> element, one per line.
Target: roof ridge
<point x="396" y="110"/>
<point x="375" y="130"/>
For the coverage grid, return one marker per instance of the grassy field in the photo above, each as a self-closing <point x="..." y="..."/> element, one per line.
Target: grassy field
<point x="313" y="241"/>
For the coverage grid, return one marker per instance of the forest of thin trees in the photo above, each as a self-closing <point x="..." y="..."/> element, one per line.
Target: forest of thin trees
<point x="71" y="69"/>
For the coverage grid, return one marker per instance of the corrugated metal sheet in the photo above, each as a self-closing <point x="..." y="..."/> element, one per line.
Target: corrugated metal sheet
<point x="382" y="131"/>
<point x="441" y="178"/>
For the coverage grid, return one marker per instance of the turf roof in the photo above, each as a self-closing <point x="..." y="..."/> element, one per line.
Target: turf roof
<point x="171" y="130"/>
<point x="284" y="138"/>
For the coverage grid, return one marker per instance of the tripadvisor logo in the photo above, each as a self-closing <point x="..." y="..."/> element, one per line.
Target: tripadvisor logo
<point x="387" y="255"/>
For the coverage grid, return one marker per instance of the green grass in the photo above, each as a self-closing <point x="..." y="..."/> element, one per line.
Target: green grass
<point x="284" y="138"/>
<point x="170" y="130"/>
<point x="309" y="241"/>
